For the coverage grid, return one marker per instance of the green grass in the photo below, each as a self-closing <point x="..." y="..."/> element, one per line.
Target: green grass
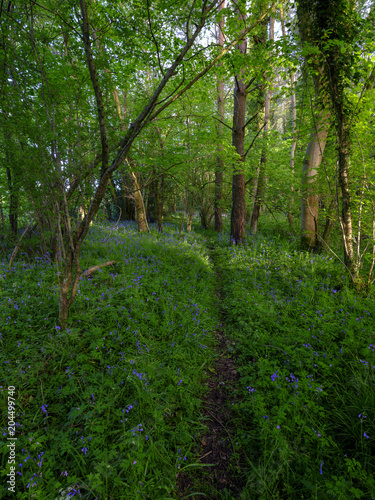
<point x="109" y="407"/>
<point x="305" y="349"/>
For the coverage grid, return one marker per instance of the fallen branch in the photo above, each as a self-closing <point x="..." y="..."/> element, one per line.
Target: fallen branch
<point x="205" y="455"/>
<point x="90" y="270"/>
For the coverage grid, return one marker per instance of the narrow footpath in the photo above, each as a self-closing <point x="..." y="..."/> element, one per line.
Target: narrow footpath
<point x="218" y="480"/>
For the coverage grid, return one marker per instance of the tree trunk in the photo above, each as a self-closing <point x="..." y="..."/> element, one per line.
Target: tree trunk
<point x="315" y="149"/>
<point x="345" y="191"/>
<point x="160" y="203"/>
<point x="238" y="213"/>
<point x="140" y="208"/>
<point x="294" y="127"/>
<point x="328" y="224"/>
<point x="189" y="220"/>
<point x="63" y="301"/>
<point x="310" y="198"/>
<point x="189" y="207"/>
<point x="263" y="160"/>
<point x="293" y="148"/>
<point x="159" y="191"/>
<point x="13" y="202"/>
<point x="220" y="131"/>
<point x="2" y="215"/>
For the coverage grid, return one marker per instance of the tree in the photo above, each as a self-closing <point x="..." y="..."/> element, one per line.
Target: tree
<point x="335" y="28"/>
<point x="237" y="220"/>
<point x="263" y="160"/>
<point x="220" y="130"/>
<point x="74" y="239"/>
<point x="318" y="135"/>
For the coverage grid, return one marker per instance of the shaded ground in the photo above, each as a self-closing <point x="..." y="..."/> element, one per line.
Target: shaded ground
<point x="216" y="446"/>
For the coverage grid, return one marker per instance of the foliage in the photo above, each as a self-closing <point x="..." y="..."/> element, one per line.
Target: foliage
<point x="102" y="412"/>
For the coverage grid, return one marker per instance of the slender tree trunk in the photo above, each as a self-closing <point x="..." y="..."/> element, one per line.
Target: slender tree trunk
<point x="125" y="213"/>
<point x="263" y="160"/>
<point x="189" y="206"/>
<point x="329" y="223"/>
<point x="13" y="202"/>
<point x="293" y="148"/>
<point x="160" y="192"/>
<point x="237" y="229"/>
<point x="112" y="189"/>
<point x="345" y="192"/>
<point x="189" y="221"/>
<point x="2" y="215"/>
<point x="161" y="205"/>
<point x="294" y="127"/>
<point x="220" y="131"/>
<point x="157" y="207"/>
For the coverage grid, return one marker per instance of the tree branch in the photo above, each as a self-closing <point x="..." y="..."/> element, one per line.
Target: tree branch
<point x="212" y="63"/>
<point x="251" y="145"/>
<point x="250" y="120"/>
<point x="221" y="121"/>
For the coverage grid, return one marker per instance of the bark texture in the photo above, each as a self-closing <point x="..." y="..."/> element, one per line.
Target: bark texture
<point x="335" y="22"/>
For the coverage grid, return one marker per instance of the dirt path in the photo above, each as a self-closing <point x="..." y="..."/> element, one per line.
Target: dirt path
<point x="217" y="445"/>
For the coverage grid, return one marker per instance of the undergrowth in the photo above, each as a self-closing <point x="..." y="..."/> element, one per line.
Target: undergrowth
<point x="305" y="349"/>
<point x="109" y="407"/>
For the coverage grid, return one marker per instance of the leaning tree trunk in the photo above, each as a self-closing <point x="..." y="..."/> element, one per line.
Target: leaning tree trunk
<point x="140" y="207"/>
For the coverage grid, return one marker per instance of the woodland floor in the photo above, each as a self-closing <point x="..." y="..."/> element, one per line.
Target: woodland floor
<point x="216" y="445"/>
<point x="242" y="372"/>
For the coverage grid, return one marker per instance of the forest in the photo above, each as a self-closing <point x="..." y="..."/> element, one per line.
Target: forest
<point x="187" y="249"/>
